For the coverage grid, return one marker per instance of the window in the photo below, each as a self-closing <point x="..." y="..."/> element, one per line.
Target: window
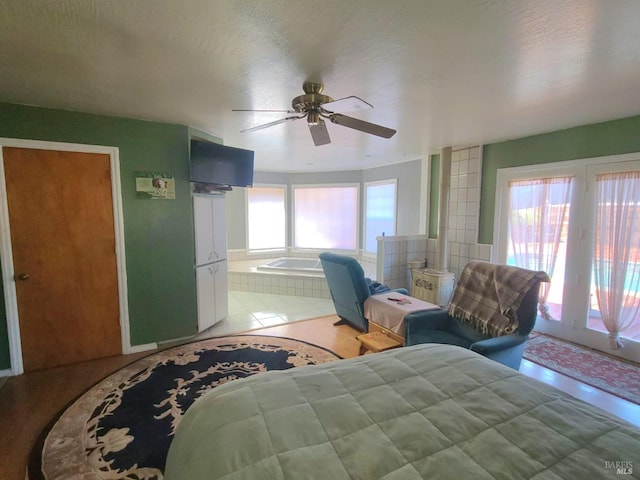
<point x="380" y="212"/>
<point x="266" y="218"/>
<point x="326" y="217"/>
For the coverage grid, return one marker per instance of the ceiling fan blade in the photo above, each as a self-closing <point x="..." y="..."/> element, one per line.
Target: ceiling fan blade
<point x="346" y="104"/>
<point x="319" y="133"/>
<point x="274" y="111"/>
<point x="362" y="126"/>
<point x="271" y="124"/>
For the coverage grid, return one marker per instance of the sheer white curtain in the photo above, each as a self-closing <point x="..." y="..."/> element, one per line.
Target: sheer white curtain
<point x="325" y="217"/>
<point x="266" y="217"/>
<point x="539" y="211"/>
<point x="616" y="265"/>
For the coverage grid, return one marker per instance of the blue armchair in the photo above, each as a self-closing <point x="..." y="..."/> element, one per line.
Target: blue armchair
<point x="451" y="327"/>
<point x="349" y="288"/>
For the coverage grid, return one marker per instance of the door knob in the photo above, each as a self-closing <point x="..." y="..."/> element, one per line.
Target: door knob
<point x="23" y="276"/>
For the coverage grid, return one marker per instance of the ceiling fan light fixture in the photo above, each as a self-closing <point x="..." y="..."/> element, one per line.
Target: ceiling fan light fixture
<point x="315" y="106"/>
<point x="313" y="118"/>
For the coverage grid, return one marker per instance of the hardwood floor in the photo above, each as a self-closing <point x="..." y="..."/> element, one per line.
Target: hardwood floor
<point x="29" y="402"/>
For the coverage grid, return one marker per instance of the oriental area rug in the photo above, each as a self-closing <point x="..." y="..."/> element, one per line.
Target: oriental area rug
<point x="608" y="373"/>
<point x="123" y="426"/>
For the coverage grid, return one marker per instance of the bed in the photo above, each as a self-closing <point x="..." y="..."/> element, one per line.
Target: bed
<point x="426" y="411"/>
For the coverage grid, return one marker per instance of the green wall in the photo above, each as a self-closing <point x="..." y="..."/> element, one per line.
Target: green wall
<point x="159" y="240"/>
<point x="595" y="140"/>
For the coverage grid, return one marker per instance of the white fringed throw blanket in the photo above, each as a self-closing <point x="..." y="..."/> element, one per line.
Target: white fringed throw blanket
<point x="488" y="296"/>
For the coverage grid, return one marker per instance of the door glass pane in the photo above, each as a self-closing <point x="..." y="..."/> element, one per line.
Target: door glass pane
<point x="537" y="231"/>
<point x="615" y="284"/>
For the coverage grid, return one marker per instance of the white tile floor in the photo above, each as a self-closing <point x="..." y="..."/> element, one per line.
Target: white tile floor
<point x="251" y="310"/>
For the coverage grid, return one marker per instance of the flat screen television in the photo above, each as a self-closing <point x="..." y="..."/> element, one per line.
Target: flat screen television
<point x="215" y="164"/>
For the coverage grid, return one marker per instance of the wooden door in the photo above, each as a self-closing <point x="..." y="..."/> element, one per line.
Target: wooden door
<point x="63" y="241"/>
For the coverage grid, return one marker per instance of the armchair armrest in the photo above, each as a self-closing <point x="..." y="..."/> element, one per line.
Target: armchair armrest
<point x="401" y="290"/>
<point x="376" y="288"/>
<point x="424" y="320"/>
<point x="496" y="344"/>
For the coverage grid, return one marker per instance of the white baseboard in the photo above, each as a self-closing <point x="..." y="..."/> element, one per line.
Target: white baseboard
<point x="141" y="348"/>
<point x="6" y="373"/>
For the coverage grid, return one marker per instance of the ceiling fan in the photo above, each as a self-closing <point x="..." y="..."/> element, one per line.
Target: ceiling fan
<point x="315" y="106"/>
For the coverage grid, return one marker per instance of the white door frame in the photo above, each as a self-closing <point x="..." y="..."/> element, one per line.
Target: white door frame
<point x="6" y="252"/>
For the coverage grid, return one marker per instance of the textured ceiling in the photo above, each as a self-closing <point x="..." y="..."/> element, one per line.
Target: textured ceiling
<point x="441" y="72"/>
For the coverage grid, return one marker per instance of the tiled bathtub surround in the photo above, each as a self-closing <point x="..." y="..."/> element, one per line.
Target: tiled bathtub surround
<point x="394" y="254"/>
<point x="245" y="277"/>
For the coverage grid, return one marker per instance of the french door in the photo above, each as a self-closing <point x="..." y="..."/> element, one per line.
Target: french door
<point x="566" y="219"/>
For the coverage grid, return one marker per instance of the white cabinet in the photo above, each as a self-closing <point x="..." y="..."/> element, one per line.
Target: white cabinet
<point x="211" y="289"/>
<point x="210" y="259"/>
<point x="210" y="229"/>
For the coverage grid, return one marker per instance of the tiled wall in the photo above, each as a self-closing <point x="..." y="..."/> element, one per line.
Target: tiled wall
<point x="394" y="254"/>
<point x="464" y="210"/>
<point x="281" y="284"/>
<point x="464" y="195"/>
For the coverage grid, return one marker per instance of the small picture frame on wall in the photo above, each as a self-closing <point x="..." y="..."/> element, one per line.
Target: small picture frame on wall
<point x="155" y="186"/>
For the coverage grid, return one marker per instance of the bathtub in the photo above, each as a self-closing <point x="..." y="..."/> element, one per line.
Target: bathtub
<point x="300" y="276"/>
<point x="291" y="264"/>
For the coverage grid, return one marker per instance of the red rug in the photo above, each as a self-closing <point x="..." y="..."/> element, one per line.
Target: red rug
<point x="618" y="377"/>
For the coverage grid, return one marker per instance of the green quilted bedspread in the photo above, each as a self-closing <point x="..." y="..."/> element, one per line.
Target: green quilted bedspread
<point x="427" y="411"/>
